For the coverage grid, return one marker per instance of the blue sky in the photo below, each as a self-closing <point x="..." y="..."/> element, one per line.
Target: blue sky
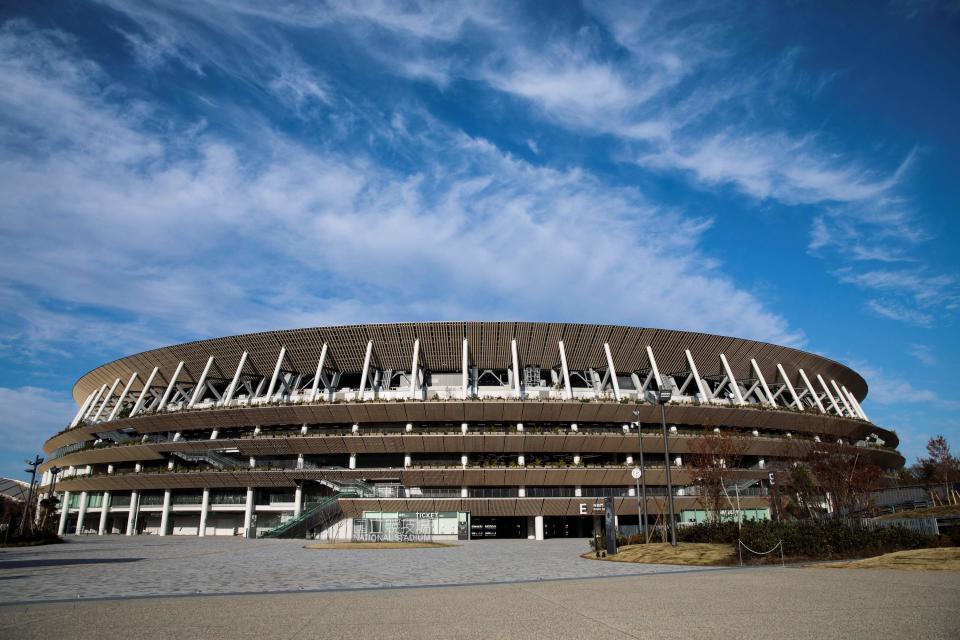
<point x="778" y="171"/>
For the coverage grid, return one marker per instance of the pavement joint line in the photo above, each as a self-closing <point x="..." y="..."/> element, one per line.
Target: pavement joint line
<point x="561" y="605"/>
<point x="220" y="594"/>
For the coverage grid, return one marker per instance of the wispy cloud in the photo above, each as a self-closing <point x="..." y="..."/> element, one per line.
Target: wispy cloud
<point x="922" y="352"/>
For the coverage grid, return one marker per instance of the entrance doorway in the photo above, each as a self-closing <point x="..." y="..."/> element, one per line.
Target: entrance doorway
<point x="497" y="527"/>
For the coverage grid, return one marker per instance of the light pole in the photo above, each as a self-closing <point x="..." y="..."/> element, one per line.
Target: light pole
<point x="28" y="505"/>
<point x="663" y="397"/>
<point x="642" y="481"/>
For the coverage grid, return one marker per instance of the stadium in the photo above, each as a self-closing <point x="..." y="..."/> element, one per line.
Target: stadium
<point x="456" y="430"/>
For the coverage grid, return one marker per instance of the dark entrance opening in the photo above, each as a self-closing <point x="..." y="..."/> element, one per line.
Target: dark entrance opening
<point x="567" y="526"/>
<point x="497" y="527"/>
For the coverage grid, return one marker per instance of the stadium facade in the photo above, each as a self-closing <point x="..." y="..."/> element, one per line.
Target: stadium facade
<point x="459" y="429"/>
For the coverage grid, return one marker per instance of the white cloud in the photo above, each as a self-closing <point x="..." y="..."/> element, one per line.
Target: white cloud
<point x="28" y="415"/>
<point x="896" y="311"/>
<point x="922" y="352"/>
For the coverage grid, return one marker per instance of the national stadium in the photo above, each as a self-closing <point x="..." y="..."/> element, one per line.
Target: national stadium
<point x="457" y="430"/>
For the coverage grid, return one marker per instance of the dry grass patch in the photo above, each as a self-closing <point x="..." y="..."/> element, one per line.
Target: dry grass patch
<point x="378" y="545"/>
<point x="685" y="553"/>
<point x="929" y="512"/>
<point x="942" y="559"/>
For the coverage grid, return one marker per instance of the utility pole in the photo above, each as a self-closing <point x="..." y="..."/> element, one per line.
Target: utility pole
<point x="33" y="464"/>
<point x="663" y="397"/>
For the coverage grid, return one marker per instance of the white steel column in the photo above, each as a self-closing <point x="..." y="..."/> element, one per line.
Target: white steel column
<point x="276" y="372"/>
<point x="786" y="381"/>
<point x="93" y="403"/>
<point x="414" y="369"/>
<point x="232" y="387"/>
<point x="64" y="509"/>
<point x="316" y="378"/>
<point x="813" y="394"/>
<point x="654" y="368"/>
<point x="538" y="527"/>
<point x="826" y="390"/>
<point x="204" y="509"/>
<point x="82" y="513"/>
<point x="83" y="408"/>
<point x="143" y="392"/>
<point x="248" y="514"/>
<point x="567" y="390"/>
<point x="103" y="406"/>
<point x="763" y="381"/>
<point x="516" y="368"/>
<point x="704" y="393"/>
<point x="123" y="396"/>
<point x="173" y="382"/>
<point x="733" y="381"/>
<point x="843" y="400"/>
<point x="466" y="370"/>
<point x="298" y="501"/>
<point x="855" y="403"/>
<point x="612" y="372"/>
<point x="132" y="512"/>
<point x="366" y="370"/>
<point x="198" y="392"/>
<point x="104" y="513"/>
<point x="165" y="514"/>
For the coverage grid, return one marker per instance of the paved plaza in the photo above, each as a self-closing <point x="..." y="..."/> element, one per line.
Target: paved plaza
<point x="118" y="566"/>
<point x="162" y="588"/>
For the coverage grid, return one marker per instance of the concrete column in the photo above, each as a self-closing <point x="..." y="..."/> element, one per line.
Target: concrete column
<point x="297" y="501"/>
<point x="132" y="513"/>
<point x="464" y="493"/>
<point x="353" y="461"/>
<point x="204" y="509"/>
<point x="253" y="462"/>
<point x="463" y="427"/>
<point x="248" y="513"/>
<point x="165" y="514"/>
<point x="137" y="467"/>
<point x="522" y="461"/>
<point x="170" y="465"/>
<point x="578" y="492"/>
<point x="214" y="434"/>
<point x="574" y="427"/>
<point x="520" y="427"/>
<point x="407" y="460"/>
<point x="104" y="513"/>
<point x="577" y="459"/>
<point x="538" y="527"/>
<point x="629" y="460"/>
<point x="632" y="492"/>
<point x="355" y="429"/>
<point x="64" y="509"/>
<point x="83" y="511"/>
<point x="303" y="430"/>
<point x="522" y="492"/>
<point x="299" y="461"/>
<point x="409" y="427"/>
<point x="463" y="461"/>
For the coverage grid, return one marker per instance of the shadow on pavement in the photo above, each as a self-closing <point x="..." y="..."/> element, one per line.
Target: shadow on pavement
<point x="53" y="562"/>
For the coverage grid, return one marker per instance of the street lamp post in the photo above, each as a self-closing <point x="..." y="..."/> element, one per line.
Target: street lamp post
<point x="642" y="481"/>
<point x="663" y="397"/>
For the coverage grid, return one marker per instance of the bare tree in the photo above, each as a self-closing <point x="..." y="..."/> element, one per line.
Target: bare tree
<point x="713" y="463"/>
<point x="843" y="478"/>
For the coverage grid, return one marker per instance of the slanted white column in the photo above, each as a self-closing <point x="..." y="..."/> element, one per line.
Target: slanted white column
<point x="763" y="381"/>
<point x="83" y="511"/>
<point x="103" y="406"/>
<point x="813" y="394"/>
<point x="654" y="368"/>
<point x="132" y="512"/>
<point x="276" y="373"/>
<point x="826" y="390"/>
<point x="204" y="509"/>
<point x="466" y="370"/>
<point x="198" y="392"/>
<point x="248" y="515"/>
<point x="173" y="382"/>
<point x="319" y="374"/>
<point x="843" y="400"/>
<point x="793" y="392"/>
<point x="732" y="380"/>
<point x="143" y="392"/>
<point x="232" y="387"/>
<point x="104" y="513"/>
<point x="414" y="369"/>
<point x="93" y="403"/>
<point x="567" y="389"/>
<point x="165" y="514"/>
<point x="516" y="369"/>
<point x="123" y="396"/>
<point x="83" y="409"/>
<point x="538" y="527"/>
<point x="856" y="404"/>
<point x="704" y="392"/>
<point x="366" y="370"/>
<point x="214" y="433"/>
<point x="612" y="372"/>
<point x="64" y="509"/>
